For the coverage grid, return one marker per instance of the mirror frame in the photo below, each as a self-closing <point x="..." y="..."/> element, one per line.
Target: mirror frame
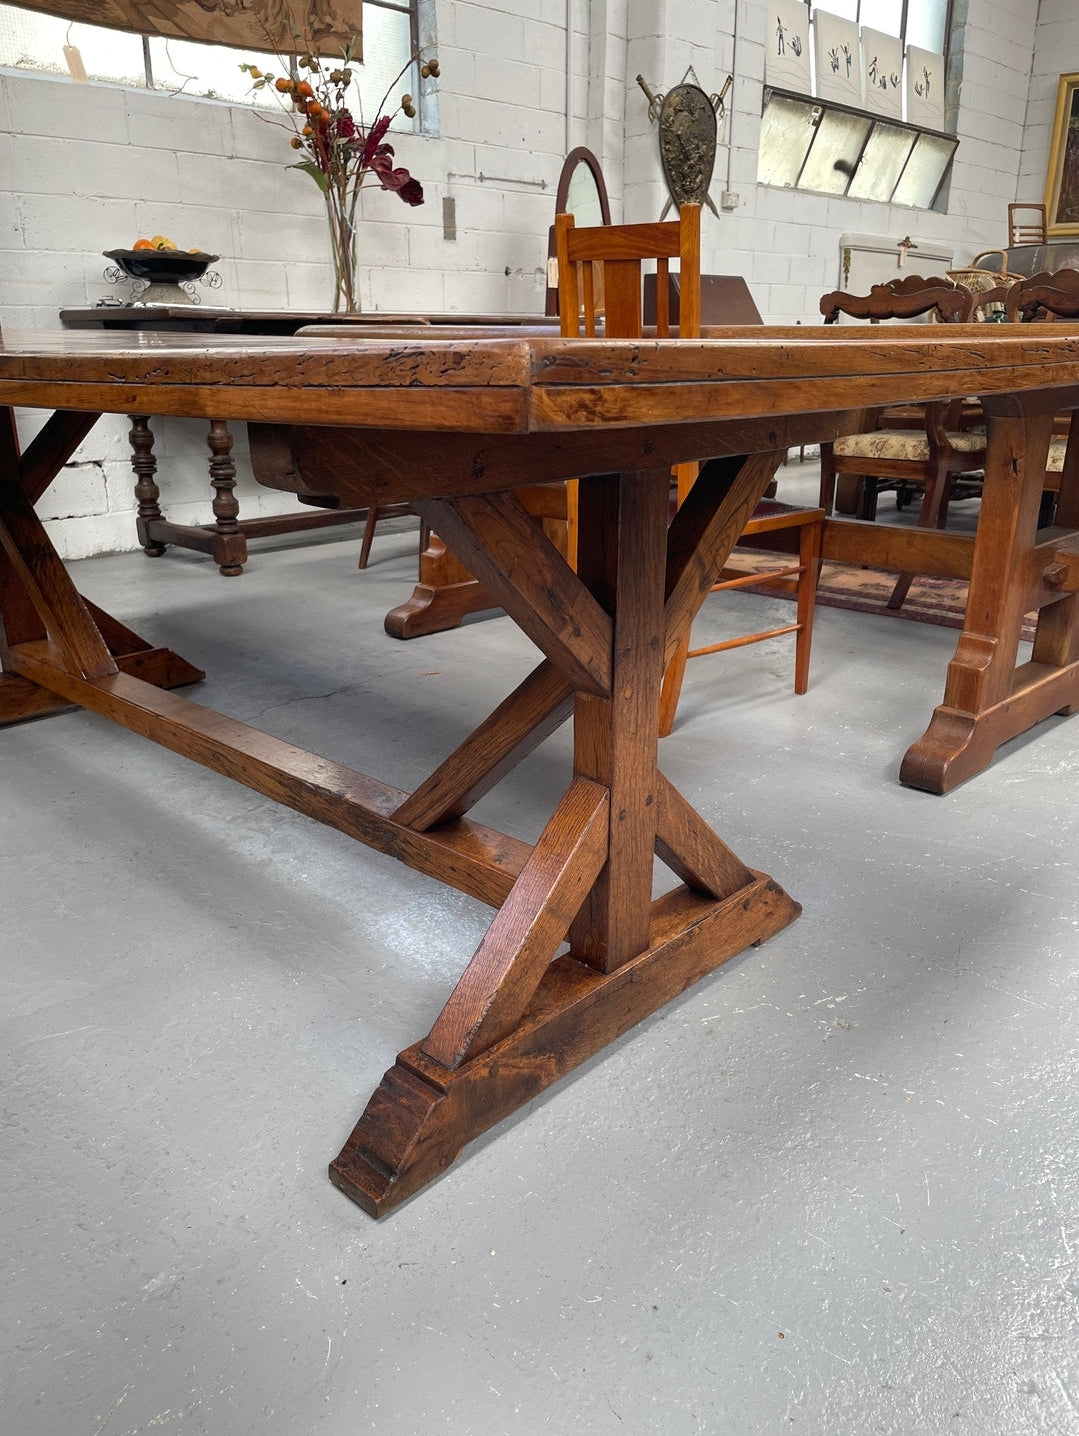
<point x="578" y="156"/>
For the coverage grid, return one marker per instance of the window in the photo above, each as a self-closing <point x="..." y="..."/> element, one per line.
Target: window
<point x="850" y="139"/>
<point x="33" y="41"/>
<point x="916" y="22"/>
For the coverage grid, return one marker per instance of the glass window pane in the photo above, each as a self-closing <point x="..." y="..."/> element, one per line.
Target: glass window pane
<point x="36" y="42"/>
<point x="787" y="129"/>
<point x="834" y="152"/>
<point x="845" y="9"/>
<point x="882" y="163"/>
<point x="387" y="45"/>
<point x="883" y="15"/>
<point x="925" y="24"/>
<point x="924" y="171"/>
<point x="211" y="70"/>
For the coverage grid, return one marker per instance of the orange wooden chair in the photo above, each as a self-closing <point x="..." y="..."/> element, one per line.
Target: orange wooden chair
<point x="600" y="280"/>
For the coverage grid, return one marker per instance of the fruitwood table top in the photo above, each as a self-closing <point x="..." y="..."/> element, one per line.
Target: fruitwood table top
<point x="530" y="384"/>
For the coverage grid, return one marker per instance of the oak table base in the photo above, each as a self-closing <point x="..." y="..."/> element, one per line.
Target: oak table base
<point x="578" y="951"/>
<point x="988" y="698"/>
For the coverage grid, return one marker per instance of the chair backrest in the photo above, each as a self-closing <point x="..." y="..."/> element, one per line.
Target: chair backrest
<point x="619" y="251"/>
<point x="1054" y="293"/>
<point x="906" y="298"/>
<point x="1026" y="231"/>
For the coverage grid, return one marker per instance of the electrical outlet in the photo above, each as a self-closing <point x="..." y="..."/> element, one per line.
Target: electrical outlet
<point x="729" y="199"/>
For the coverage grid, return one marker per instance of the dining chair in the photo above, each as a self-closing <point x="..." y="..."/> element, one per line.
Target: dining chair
<point x="600" y="284"/>
<point x="907" y="448"/>
<point x="1026" y="231"/>
<point x="1048" y="295"/>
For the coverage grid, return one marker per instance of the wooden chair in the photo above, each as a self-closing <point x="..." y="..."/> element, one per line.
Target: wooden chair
<point x="1043" y="295"/>
<point x="1046" y="296"/>
<point x="921" y="447"/>
<point x="612" y="256"/>
<point x="1029" y="231"/>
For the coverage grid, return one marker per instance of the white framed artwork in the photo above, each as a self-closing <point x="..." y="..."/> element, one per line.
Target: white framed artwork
<point x="839" y="68"/>
<point x="882" y="72"/>
<point x="786" y="46"/>
<point x="925" y="88"/>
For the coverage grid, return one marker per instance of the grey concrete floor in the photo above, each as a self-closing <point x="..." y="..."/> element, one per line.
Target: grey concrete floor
<point x="833" y="1189"/>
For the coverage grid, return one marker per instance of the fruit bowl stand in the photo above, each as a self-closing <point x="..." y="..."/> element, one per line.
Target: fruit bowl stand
<point x="162" y="276"/>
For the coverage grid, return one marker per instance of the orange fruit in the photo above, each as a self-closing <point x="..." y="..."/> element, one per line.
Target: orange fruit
<point x="142" y="244"/>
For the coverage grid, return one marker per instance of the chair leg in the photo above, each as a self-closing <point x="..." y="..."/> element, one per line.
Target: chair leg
<point x="809" y="557"/>
<point x="869" y="499"/>
<point x="938" y="490"/>
<point x="827" y="478"/>
<point x="368" y="535"/>
<point x="672" y="688"/>
<point x="685" y="477"/>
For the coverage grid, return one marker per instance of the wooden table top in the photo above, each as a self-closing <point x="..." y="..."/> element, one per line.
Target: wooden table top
<point x="497" y="382"/>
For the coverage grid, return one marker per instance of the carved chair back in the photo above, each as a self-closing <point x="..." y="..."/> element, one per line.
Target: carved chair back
<point x="1044" y="294"/>
<point x="908" y="298"/>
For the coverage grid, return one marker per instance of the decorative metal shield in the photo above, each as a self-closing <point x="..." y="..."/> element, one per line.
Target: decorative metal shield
<point x="687" y="143"/>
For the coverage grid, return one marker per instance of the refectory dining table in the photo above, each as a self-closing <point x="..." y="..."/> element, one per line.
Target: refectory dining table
<point x="578" y="950"/>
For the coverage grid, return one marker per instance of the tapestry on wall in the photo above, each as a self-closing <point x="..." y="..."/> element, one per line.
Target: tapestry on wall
<point x="244" y="24"/>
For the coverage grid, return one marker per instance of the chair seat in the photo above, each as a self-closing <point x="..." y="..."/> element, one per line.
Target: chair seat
<point x="1054" y="462"/>
<point x="904" y="444"/>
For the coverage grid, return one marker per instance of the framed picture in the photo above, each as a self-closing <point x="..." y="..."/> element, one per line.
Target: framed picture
<point x="839" y="70"/>
<point x="1062" y="181"/>
<point x="925" y="88"/>
<point x="786" y="46"/>
<point x="882" y="73"/>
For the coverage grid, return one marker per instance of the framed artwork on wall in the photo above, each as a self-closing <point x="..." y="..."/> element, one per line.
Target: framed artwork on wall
<point x="925" y="88"/>
<point x="1062" y="181"/>
<point x="786" y="46"/>
<point x="882" y="73"/>
<point x="839" y="69"/>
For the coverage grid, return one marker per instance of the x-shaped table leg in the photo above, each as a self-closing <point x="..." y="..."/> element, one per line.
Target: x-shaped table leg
<point x="521" y="1016"/>
<point x="38" y="602"/>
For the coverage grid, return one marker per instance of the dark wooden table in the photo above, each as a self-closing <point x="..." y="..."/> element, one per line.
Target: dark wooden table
<point x="225" y="540"/>
<point x="578" y="951"/>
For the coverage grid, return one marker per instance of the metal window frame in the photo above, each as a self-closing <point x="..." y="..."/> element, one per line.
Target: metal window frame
<point x="819" y="108"/>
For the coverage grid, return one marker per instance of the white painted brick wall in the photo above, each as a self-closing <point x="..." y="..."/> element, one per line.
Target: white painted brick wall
<point x="85" y="168"/>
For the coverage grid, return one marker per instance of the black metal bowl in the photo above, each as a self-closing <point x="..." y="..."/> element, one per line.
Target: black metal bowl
<point x="165" y="266"/>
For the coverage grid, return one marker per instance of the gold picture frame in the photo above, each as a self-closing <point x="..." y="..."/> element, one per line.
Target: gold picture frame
<point x="1062" y="181"/>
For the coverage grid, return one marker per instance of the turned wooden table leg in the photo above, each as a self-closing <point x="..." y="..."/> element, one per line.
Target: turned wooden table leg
<point x="147" y="493"/>
<point x="230" y="546"/>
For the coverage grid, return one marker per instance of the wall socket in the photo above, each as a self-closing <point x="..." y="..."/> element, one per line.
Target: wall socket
<point x="729" y="199"/>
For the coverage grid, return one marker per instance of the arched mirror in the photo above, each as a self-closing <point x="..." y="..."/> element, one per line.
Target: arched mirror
<point x="582" y="193"/>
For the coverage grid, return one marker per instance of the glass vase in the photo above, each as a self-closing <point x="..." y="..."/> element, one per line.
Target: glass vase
<point x="346" y="297"/>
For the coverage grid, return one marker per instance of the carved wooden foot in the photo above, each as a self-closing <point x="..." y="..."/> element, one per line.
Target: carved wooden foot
<point x="423" y="1113"/>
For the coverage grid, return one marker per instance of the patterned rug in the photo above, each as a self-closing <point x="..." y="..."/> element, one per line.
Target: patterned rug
<point x="941" y="601"/>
